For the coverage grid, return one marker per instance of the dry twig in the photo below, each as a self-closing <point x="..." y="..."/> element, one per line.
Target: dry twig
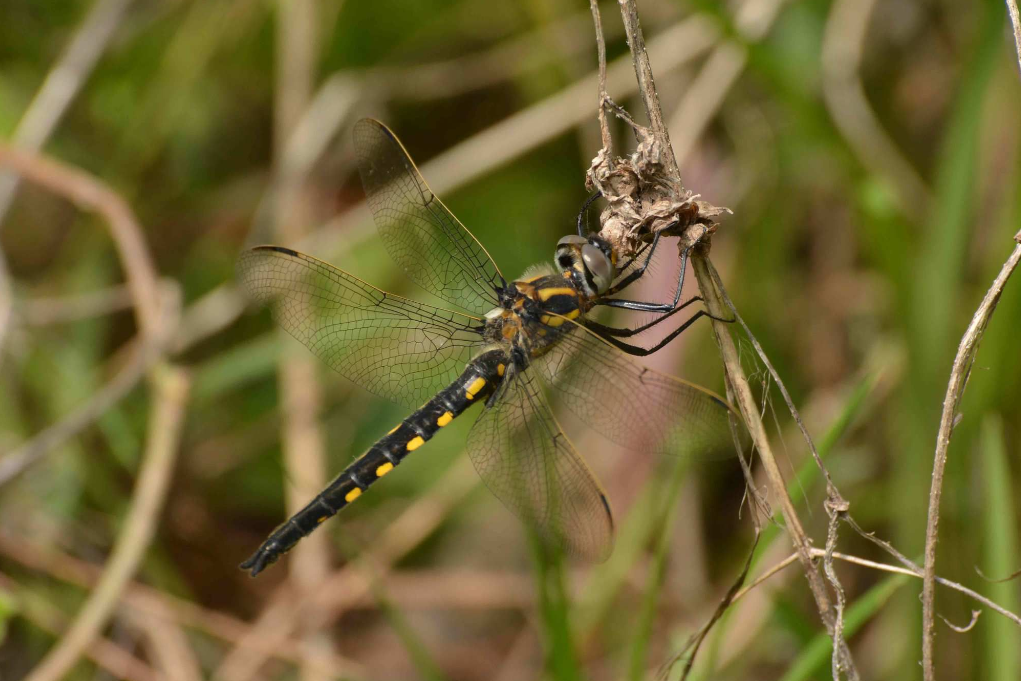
<point x="343" y="587"/>
<point x="150" y="602"/>
<point x="62" y="85"/>
<point x="966" y="351"/>
<point x="105" y="653"/>
<point x="706" y="92"/>
<point x="1015" y="22"/>
<point x="646" y="196"/>
<point x="156" y="310"/>
<point x="89" y="193"/>
<point x="910" y="569"/>
<point x="747" y="405"/>
<point x="168" y="408"/>
<point x="298" y="374"/>
<point x="64" y="309"/>
<point x="166" y="643"/>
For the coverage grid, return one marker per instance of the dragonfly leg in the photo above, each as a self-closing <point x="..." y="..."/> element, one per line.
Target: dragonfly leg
<point x="640" y="306"/>
<point x="618" y="332"/>
<point x="642" y="352"/>
<point x="634" y="276"/>
<point x="584" y="209"/>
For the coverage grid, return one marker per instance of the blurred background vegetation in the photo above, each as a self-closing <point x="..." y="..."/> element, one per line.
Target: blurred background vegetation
<point x="869" y="152"/>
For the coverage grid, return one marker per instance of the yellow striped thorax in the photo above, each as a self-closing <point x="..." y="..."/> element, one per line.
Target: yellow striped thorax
<point x="535" y="309"/>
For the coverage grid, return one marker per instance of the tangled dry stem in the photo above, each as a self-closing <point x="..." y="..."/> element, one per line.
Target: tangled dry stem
<point x="646" y="197"/>
<point x="966" y="351"/>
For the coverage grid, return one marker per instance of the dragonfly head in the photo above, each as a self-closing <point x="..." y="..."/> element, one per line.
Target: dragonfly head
<point x="590" y="257"/>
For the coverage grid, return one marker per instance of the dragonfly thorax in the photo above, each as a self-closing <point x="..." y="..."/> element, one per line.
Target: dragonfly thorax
<point x="535" y="311"/>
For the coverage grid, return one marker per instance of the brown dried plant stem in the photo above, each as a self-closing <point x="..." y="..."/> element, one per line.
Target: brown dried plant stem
<point x="1015" y="22"/>
<point x="62" y="84"/>
<point x="89" y="193"/>
<point x="147" y="601"/>
<point x="911" y="570"/>
<point x="955" y="389"/>
<point x="301" y="392"/>
<point x="736" y="379"/>
<point x="105" y="653"/>
<point x="155" y="310"/>
<point x="169" y="401"/>
<point x="746" y="403"/>
<point x="647" y="85"/>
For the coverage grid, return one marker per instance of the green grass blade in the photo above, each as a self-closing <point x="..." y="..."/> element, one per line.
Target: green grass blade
<point x="1002" y="661"/>
<point x="650" y="602"/>
<point x="562" y="661"/>
<point x="421" y="659"/>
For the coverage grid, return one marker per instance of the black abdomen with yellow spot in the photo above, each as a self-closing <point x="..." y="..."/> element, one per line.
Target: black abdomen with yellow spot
<point x="475" y="384"/>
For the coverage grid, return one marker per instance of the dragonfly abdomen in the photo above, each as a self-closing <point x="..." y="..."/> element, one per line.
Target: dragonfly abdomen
<point x="475" y="384"/>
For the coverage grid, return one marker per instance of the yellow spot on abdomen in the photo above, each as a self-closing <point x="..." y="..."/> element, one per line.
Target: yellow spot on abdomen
<point x="551" y="320"/>
<point x="500" y="368"/>
<point x="322" y="519"/>
<point x="415" y="443"/>
<point x="472" y="390"/>
<point x="384" y="469"/>
<point x="573" y="313"/>
<point x="352" y="495"/>
<point x="547" y="293"/>
<point x="443" y="420"/>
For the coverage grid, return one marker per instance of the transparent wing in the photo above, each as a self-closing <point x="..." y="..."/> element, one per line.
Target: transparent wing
<point x="419" y="232"/>
<point x="633" y="405"/>
<point x="529" y="464"/>
<point x="394" y="347"/>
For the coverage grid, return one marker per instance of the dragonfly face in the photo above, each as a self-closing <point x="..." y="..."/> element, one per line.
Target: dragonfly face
<point x="590" y="261"/>
<point x="510" y="346"/>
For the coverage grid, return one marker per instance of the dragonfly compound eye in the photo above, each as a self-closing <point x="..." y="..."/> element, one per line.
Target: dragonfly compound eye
<point x="567" y="251"/>
<point x="598" y="265"/>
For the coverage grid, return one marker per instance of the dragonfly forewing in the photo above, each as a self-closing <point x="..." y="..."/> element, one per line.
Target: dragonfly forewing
<point x="397" y="348"/>
<point x="431" y="245"/>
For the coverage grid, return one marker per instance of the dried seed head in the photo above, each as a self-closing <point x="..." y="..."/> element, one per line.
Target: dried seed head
<point x="643" y="200"/>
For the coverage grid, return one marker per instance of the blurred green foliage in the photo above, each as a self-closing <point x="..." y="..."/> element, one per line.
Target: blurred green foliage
<point x="858" y="299"/>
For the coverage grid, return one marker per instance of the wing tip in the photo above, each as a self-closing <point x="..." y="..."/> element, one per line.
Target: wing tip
<point x="609" y="513"/>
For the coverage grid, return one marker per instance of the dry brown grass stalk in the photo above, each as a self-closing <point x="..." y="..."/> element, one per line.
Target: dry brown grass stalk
<point x="106" y="654"/>
<point x="148" y="601"/>
<point x="298" y="374"/>
<point x="285" y="609"/>
<point x="963" y="361"/>
<point x="633" y="217"/>
<point x="156" y="306"/>
<point x="170" y="398"/>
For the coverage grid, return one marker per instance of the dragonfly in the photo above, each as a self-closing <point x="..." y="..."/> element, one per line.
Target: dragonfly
<point x="508" y="346"/>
